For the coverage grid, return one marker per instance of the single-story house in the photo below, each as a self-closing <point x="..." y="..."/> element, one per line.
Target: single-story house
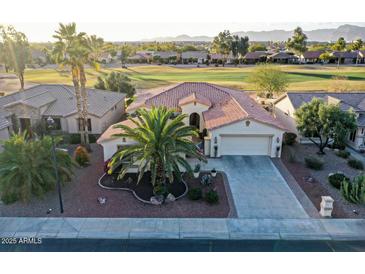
<point x="312" y="57"/>
<point x="282" y="58"/>
<point x="194" y="56"/>
<point x="361" y="56"/>
<point x="216" y="58"/>
<point x="230" y="121"/>
<point x="105" y="58"/>
<point x="140" y="57"/>
<point x="255" y="57"/>
<point x="30" y="108"/>
<point x="165" y="56"/>
<point x="286" y="105"/>
<point x="346" y="57"/>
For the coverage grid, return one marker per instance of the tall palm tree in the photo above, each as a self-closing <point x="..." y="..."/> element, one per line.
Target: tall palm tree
<point x="71" y="49"/>
<point x="162" y="141"/>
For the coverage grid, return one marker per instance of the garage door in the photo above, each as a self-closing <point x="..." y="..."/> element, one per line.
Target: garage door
<point x="245" y="145"/>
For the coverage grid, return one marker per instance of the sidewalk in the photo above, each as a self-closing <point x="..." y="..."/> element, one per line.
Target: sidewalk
<point x="154" y="228"/>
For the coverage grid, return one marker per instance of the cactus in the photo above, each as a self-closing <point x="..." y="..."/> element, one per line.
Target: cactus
<point x="354" y="191"/>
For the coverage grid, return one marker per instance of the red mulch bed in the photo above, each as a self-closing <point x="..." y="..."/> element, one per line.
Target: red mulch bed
<point x="80" y="200"/>
<point x="314" y="189"/>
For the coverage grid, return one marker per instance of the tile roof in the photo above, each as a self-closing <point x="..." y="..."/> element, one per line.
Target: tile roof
<point x="345" y="54"/>
<point x="282" y="55"/>
<point x="353" y="100"/>
<point x="313" y="54"/>
<point x="194" y="54"/>
<point x="60" y="100"/>
<point x="165" y="54"/>
<point x="255" y="55"/>
<point x="197" y="98"/>
<point x="109" y="133"/>
<point x="227" y="105"/>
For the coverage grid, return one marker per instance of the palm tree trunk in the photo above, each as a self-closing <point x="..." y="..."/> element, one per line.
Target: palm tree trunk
<point x="84" y="104"/>
<point x="76" y="83"/>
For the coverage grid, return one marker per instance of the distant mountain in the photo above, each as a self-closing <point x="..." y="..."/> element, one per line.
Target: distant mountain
<point x="349" y="32"/>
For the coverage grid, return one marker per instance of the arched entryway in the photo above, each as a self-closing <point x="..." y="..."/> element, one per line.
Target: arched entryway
<point x="194" y="120"/>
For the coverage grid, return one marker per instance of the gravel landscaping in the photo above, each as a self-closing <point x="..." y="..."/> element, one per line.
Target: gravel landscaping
<point x="293" y="158"/>
<point x="80" y="199"/>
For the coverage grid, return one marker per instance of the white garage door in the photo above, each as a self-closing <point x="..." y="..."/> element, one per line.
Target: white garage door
<point x="245" y="145"/>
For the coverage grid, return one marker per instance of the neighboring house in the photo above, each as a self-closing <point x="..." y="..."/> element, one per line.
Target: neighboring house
<point x="255" y="57"/>
<point x="216" y="58"/>
<point x="166" y="57"/>
<point x="140" y="57"/>
<point x="105" y="58"/>
<point x="286" y="105"/>
<point x="361" y="57"/>
<point x="30" y="108"/>
<point x="195" y="56"/>
<point x="346" y="57"/>
<point x="312" y="57"/>
<point x="230" y="121"/>
<point x="282" y="58"/>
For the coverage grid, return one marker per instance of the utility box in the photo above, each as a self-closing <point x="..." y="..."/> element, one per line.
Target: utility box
<point x="326" y="206"/>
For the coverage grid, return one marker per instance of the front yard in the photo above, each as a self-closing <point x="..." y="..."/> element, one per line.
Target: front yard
<point x="315" y="182"/>
<point x="81" y="200"/>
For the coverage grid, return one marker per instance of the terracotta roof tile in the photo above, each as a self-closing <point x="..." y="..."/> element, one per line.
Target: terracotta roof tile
<point x="198" y="98"/>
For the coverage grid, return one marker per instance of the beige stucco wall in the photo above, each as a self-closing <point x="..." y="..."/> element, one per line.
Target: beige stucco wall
<point x="284" y="112"/>
<point x="254" y="129"/>
<point x="111" y="146"/>
<point x="197" y="108"/>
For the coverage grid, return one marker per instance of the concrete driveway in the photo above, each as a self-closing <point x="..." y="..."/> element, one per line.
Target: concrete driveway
<point x="258" y="189"/>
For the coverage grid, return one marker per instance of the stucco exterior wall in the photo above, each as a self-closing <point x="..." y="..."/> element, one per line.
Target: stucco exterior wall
<point x="111" y="146"/>
<point x="254" y="129"/>
<point x="197" y="108"/>
<point x="284" y="112"/>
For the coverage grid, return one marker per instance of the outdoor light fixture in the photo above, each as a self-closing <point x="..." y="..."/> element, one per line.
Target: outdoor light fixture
<point x="278" y="140"/>
<point x="248" y="123"/>
<point x="50" y="123"/>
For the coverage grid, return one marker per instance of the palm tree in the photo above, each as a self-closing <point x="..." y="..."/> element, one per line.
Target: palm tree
<point x="27" y="170"/>
<point x="162" y="142"/>
<point x="72" y="49"/>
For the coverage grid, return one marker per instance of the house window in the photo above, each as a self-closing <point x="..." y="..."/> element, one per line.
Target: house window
<point x="56" y="125"/>
<point x="124" y="140"/>
<point x="352" y="136"/>
<point x="80" y="124"/>
<point x="362" y="131"/>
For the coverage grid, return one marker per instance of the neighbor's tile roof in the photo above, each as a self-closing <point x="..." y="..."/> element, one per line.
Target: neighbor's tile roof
<point x="109" y="133"/>
<point x="313" y="54"/>
<point x="347" y="100"/>
<point x="255" y="55"/>
<point x="60" y="100"/>
<point x="227" y="105"/>
<point x="345" y="54"/>
<point x="282" y="55"/>
<point x="165" y="54"/>
<point x="194" y="54"/>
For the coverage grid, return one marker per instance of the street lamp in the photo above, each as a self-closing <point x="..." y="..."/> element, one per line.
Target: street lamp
<point x="50" y="123"/>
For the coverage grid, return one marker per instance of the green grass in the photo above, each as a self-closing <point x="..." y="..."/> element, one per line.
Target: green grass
<point x="301" y="78"/>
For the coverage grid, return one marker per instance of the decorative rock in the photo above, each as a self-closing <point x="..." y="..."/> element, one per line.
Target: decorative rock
<point x="170" y="198"/>
<point x="326" y="206"/>
<point x="102" y="200"/>
<point x="156" y="200"/>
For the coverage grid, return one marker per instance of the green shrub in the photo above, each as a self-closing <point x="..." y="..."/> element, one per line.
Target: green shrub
<point x="81" y="156"/>
<point x="289" y="138"/>
<point x="159" y="189"/>
<point x="211" y="197"/>
<point x="313" y="163"/>
<point x="356" y="164"/>
<point x="335" y="179"/>
<point x="195" y="193"/>
<point x="206" y="180"/>
<point x="197" y="168"/>
<point x="343" y="154"/>
<point x="27" y="168"/>
<point x="354" y="191"/>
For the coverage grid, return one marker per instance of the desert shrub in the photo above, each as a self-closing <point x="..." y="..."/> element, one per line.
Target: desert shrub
<point x="206" y="180"/>
<point x="211" y="197"/>
<point x="335" y="179"/>
<point x="343" y="154"/>
<point x="9" y="198"/>
<point x="356" y="164"/>
<point x="313" y="163"/>
<point x="81" y="156"/>
<point x="195" y="193"/>
<point x="354" y="191"/>
<point x="289" y="138"/>
<point x="159" y="189"/>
